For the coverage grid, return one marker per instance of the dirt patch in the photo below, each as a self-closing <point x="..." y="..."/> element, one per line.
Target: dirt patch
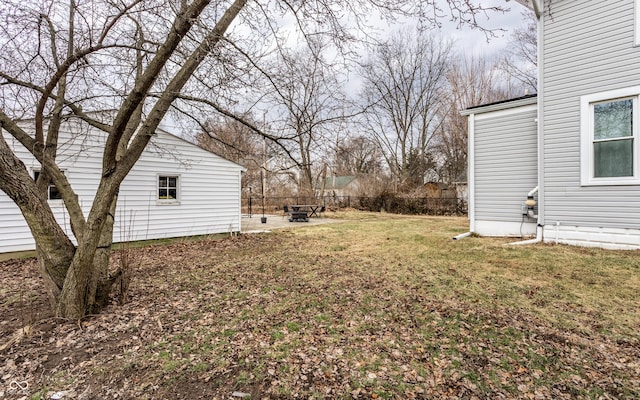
<point x="23" y="301"/>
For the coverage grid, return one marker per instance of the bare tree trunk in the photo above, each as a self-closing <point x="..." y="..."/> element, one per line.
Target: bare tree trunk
<point x="80" y="284"/>
<point x="54" y="249"/>
<point x="73" y="300"/>
<point x="83" y="280"/>
<point x="101" y="282"/>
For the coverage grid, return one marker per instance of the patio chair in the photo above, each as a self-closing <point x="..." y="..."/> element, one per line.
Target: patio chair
<point x="285" y="211"/>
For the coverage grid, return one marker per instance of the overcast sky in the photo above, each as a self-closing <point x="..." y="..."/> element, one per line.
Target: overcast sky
<point x="467" y="40"/>
<point x="470" y="40"/>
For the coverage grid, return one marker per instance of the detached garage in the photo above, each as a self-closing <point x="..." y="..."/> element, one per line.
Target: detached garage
<point x="176" y="189"/>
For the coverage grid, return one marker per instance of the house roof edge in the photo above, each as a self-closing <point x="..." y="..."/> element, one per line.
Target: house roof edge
<point x="166" y="132"/>
<point x="501" y="105"/>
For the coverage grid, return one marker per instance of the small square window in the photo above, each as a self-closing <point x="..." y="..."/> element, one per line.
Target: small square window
<point x="52" y="192"/>
<point x="168" y="188"/>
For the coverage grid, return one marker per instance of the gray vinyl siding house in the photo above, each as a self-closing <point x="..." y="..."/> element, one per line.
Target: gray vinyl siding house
<point x="587" y="131"/>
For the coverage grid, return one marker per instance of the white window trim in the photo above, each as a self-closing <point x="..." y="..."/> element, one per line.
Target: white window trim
<point x="586" y="137"/>
<point x="178" y="188"/>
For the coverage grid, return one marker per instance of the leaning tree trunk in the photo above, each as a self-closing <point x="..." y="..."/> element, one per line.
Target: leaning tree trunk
<point x="79" y="274"/>
<point x="76" y="279"/>
<point x="53" y="248"/>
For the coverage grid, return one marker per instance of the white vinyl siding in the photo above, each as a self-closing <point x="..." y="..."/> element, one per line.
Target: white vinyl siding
<point x="589" y="48"/>
<point x="209" y="191"/>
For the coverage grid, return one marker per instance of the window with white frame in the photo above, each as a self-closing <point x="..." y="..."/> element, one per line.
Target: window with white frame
<point x="609" y="135"/>
<point x="168" y="188"/>
<point x="52" y="191"/>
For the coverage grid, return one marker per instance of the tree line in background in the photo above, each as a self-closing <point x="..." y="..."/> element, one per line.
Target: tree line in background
<point x="399" y="128"/>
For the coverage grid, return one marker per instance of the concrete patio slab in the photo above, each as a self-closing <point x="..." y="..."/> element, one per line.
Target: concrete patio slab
<point x="252" y="224"/>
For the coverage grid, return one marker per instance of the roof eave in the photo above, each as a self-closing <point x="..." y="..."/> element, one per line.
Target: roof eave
<point x="501" y="105"/>
<point x="526" y="3"/>
<point x="533" y="5"/>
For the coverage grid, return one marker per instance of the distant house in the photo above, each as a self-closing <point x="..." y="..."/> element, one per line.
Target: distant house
<point x="341" y="185"/>
<point x="565" y="165"/>
<point x="176" y="189"/>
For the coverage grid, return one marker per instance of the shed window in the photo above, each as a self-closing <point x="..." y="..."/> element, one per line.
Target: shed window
<point x="168" y="188"/>
<point x="52" y="192"/>
<point x="609" y="136"/>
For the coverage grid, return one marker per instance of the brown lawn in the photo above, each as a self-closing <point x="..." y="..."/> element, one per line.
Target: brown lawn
<point x="378" y="306"/>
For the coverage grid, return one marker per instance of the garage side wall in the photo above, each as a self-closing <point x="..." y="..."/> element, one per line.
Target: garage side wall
<point x="208" y="201"/>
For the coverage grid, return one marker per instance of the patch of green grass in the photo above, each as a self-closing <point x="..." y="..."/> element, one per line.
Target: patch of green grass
<point x="39" y="395"/>
<point x="171" y="365"/>
<point x="277" y="335"/>
<point x="243" y="377"/>
<point x="293" y="326"/>
<point x="322" y="318"/>
<point x="228" y="333"/>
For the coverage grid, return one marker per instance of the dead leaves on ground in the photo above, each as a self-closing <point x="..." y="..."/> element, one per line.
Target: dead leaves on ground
<point x="272" y="316"/>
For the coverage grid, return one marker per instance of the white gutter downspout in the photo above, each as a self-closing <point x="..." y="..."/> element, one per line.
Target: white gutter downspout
<point x="471" y="172"/>
<point x="462" y="236"/>
<point x="535" y="240"/>
<point x="540" y="98"/>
